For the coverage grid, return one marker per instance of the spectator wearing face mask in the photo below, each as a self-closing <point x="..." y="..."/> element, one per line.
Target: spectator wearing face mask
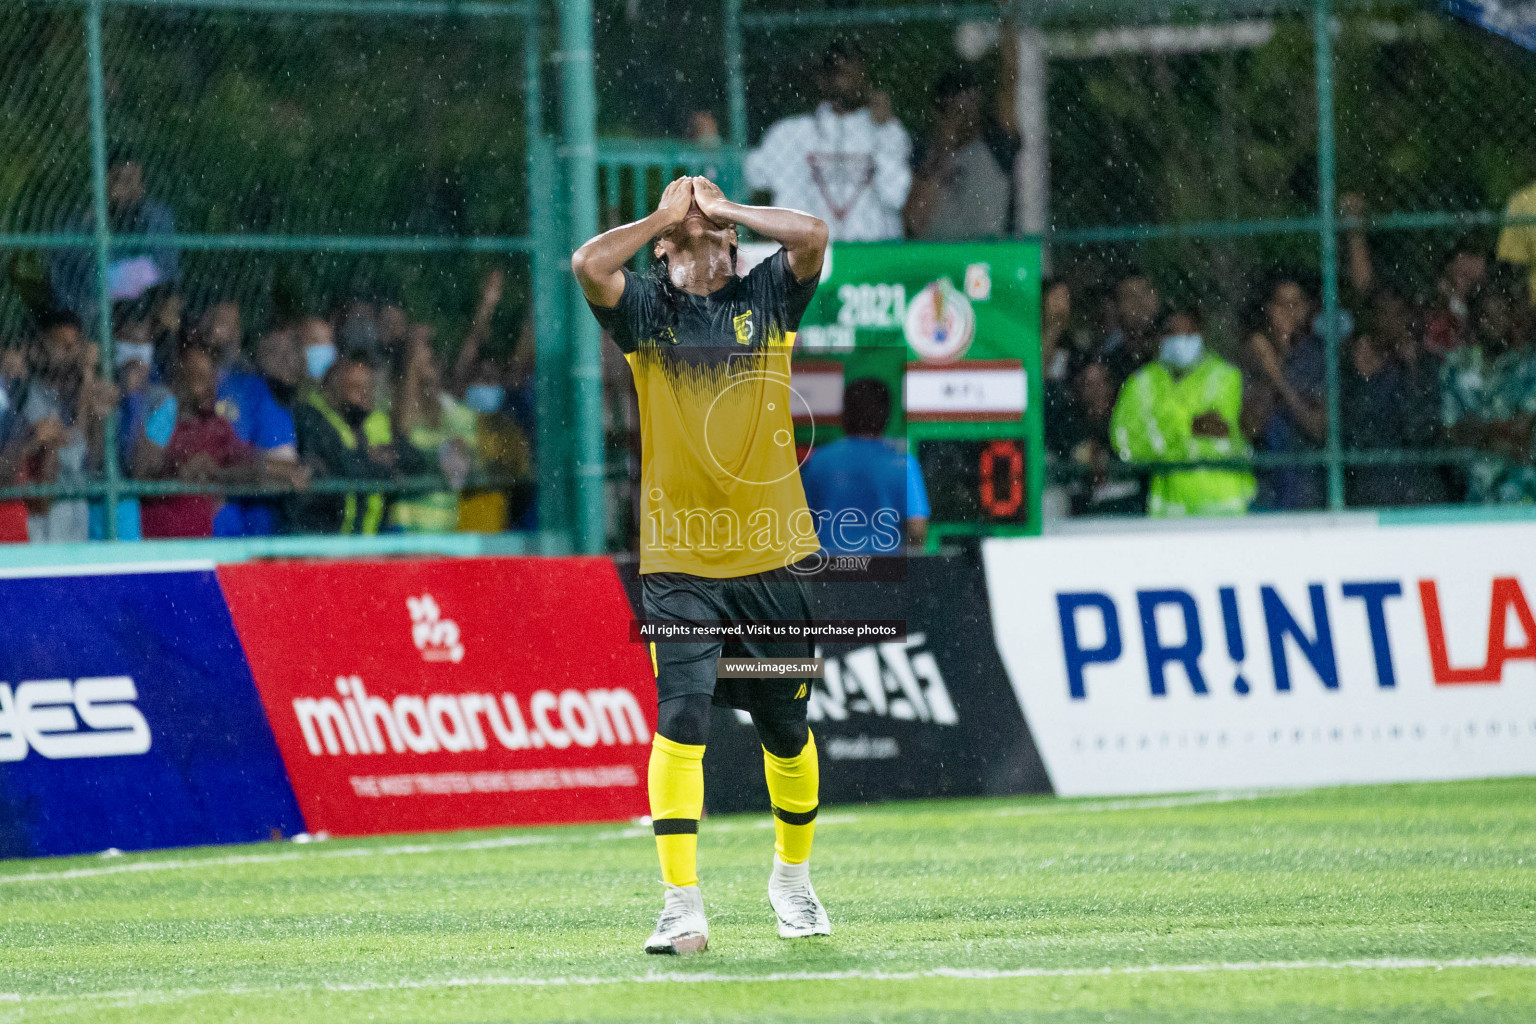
<point x="258" y="403"/>
<point x="317" y="342"/>
<point x="467" y="367"/>
<point x="1185" y="407"/>
<point x="502" y="450"/>
<point x="342" y="436"/>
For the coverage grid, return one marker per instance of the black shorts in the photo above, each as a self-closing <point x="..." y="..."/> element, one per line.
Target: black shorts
<point x="684" y="668"/>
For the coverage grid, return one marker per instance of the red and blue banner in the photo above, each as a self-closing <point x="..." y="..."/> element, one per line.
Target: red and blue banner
<point x="146" y="708"/>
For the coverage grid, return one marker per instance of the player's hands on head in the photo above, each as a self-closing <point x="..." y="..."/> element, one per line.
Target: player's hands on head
<point x="676" y="199"/>
<point x="712" y="201"/>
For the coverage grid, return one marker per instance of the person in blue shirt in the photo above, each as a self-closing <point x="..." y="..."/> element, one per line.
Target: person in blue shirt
<point x="864" y="490"/>
<point x="259" y="405"/>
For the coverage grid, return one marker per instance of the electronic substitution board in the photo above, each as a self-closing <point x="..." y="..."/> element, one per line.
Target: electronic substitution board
<point x="953" y="329"/>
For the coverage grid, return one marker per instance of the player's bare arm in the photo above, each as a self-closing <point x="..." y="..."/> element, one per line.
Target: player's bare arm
<point x="599" y="263"/>
<point x="803" y="236"/>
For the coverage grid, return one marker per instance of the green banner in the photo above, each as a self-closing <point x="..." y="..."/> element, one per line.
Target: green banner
<point x="953" y="329"/>
<point x="868" y="297"/>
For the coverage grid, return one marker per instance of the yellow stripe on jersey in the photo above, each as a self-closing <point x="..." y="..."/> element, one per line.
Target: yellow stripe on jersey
<point x="721" y="493"/>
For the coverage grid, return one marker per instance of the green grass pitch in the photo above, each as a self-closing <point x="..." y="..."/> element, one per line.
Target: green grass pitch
<point x="1402" y="903"/>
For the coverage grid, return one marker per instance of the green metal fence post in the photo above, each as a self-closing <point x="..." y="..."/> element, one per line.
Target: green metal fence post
<point x="579" y="107"/>
<point x="1327" y="205"/>
<point x="103" y="239"/>
<point x="736" y="82"/>
<point x="550" y="353"/>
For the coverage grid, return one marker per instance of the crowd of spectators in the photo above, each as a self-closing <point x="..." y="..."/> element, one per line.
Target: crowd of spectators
<point x="204" y="397"/>
<point x="1437" y="391"/>
<point x="1444" y="373"/>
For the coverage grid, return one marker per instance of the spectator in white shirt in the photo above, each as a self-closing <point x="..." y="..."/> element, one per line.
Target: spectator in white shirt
<point x="847" y="162"/>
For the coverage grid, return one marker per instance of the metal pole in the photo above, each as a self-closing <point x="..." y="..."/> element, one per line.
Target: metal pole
<point x="1034" y="166"/>
<point x="103" y="239"/>
<point x="736" y="81"/>
<point x="1327" y="205"/>
<point x="551" y="360"/>
<point x="579" y="103"/>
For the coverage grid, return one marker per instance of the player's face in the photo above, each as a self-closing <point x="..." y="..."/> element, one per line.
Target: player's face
<point x="697" y="240"/>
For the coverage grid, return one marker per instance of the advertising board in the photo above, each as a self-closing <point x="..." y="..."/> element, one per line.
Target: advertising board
<point x="1285" y="657"/>
<point x="929" y="715"/>
<point x="128" y="718"/>
<point x="447" y="694"/>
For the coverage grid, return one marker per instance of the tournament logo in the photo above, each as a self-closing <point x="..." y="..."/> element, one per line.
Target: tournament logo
<point x="940" y="323"/>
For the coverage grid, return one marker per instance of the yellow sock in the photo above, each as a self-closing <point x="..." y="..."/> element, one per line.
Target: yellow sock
<point x="676" y="784"/>
<point x="793" y="783"/>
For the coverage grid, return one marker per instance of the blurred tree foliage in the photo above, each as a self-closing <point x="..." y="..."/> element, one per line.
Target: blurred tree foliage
<point x="327" y="125"/>
<point x="283" y="124"/>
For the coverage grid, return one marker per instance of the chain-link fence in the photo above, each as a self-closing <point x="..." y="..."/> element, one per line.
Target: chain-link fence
<point x="1324" y="186"/>
<point x="372" y="173"/>
<point x="295" y="186"/>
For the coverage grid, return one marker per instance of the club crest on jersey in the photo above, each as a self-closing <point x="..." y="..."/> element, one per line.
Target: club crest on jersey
<point x="744" y="328"/>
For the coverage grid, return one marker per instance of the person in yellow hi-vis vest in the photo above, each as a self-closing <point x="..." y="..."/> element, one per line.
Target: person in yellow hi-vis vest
<point x="341" y="436"/>
<point x="1185" y="407"/>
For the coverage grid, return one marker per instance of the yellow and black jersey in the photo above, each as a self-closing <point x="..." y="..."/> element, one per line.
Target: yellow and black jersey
<point x="721" y="494"/>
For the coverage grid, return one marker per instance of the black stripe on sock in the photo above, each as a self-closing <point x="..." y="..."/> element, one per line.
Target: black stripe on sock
<point x="675" y="826"/>
<point x="796" y="817"/>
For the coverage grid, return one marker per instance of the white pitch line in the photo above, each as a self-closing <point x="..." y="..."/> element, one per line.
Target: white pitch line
<point x="273" y="858"/>
<point x="1147" y="803"/>
<point x="947" y="973"/>
<point x="1150" y="803"/>
<point x="234" y="860"/>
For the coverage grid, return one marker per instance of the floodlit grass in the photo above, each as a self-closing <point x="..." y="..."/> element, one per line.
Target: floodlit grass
<point x="1403" y="903"/>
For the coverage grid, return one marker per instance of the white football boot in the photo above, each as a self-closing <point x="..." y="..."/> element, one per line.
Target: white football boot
<point x="681" y="928"/>
<point x="800" y="913"/>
